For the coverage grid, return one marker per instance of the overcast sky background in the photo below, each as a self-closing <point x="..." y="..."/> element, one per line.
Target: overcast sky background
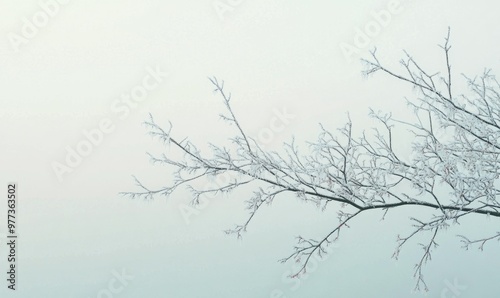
<point x="273" y="55"/>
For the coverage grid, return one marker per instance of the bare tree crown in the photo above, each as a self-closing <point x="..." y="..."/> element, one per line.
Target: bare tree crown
<point x="453" y="171"/>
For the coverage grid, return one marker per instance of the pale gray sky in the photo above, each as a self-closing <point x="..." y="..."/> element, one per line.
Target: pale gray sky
<point x="65" y="71"/>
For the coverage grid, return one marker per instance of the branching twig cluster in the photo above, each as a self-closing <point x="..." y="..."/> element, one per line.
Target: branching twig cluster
<point x="453" y="171"/>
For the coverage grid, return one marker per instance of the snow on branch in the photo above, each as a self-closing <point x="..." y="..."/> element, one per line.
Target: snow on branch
<point x="453" y="171"/>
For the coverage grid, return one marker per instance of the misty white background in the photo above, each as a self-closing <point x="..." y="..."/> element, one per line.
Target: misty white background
<point x="272" y="55"/>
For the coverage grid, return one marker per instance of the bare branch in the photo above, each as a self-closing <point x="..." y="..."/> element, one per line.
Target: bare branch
<point x="452" y="173"/>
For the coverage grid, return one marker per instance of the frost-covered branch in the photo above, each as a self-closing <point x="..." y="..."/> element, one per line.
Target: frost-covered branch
<point x="452" y="173"/>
